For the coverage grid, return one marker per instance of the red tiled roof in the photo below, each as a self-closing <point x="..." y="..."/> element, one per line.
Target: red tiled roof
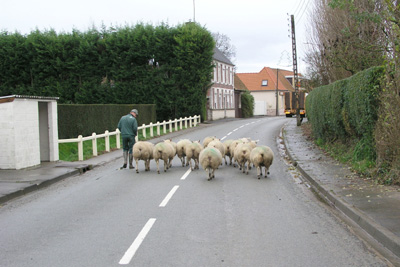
<point x="253" y="81"/>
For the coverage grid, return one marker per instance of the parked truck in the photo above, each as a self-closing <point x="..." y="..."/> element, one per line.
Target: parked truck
<point x="290" y="104"/>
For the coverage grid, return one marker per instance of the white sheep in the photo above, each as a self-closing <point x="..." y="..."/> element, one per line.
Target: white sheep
<point x="180" y="150"/>
<point x="207" y="140"/>
<point x="262" y="156"/>
<point x="216" y="143"/>
<point x="164" y="151"/>
<point x="227" y="144"/>
<point x="232" y="148"/>
<point x="192" y="152"/>
<point x="210" y="158"/>
<point x="143" y="150"/>
<point x="242" y="156"/>
<point x="174" y="146"/>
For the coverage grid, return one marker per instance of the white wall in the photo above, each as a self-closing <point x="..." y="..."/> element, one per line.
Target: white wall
<point x="269" y="98"/>
<point x="19" y="133"/>
<point x="220" y="114"/>
<point x="7" y="137"/>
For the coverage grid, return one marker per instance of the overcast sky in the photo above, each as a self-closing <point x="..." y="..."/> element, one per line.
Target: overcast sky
<point x="259" y="29"/>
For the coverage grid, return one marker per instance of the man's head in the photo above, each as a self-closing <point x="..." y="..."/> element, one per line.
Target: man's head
<point x="135" y="112"/>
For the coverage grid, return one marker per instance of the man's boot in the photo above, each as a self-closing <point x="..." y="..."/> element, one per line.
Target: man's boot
<point x="131" y="161"/>
<point x="125" y="153"/>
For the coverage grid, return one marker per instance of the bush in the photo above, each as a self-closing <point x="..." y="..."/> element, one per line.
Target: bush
<point x="247" y="104"/>
<point x="347" y="109"/>
<point x="74" y="120"/>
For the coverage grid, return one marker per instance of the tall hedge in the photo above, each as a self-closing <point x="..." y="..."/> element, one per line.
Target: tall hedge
<point x="167" y="66"/>
<point x="348" y="109"/>
<point x="97" y="118"/>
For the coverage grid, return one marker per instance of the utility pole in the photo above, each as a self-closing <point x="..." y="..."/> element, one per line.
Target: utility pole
<point x="276" y="93"/>
<point x="296" y="77"/>
<point x="194" y="11"/>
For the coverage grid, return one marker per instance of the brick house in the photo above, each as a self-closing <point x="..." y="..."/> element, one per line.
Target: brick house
<point x="221" y="96"/>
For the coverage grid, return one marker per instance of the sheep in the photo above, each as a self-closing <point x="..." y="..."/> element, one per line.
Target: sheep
<point x="192" y="152"/>
<point x="174" y="146"/>
<point x="262" y="156"/>
<point x="180" y="150"/>
<point x="210" y="158"/>
<point x="232" y="147"/>
<point x="242" y="155"/>
<point x="207" y="140"/>
<point x="164" y="151"/>
<point x="143" y="150"/>
<point x="218" y="145"/>
<point x="226" y="144"/>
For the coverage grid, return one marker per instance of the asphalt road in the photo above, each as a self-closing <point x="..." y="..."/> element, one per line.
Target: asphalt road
<point x="110" y="217"/>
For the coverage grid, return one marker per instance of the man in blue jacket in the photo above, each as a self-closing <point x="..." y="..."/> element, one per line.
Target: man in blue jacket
<point x="128" y="127"/>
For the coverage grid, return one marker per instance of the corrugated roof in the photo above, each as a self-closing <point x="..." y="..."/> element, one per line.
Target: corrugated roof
<point x="219" y="56"/>
<point x="239" y="85"/>
<point x="29" y="97"/>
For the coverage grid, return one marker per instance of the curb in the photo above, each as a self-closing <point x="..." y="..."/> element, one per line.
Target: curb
<point x="44" y="184"/>
<point x="378" y="232"/>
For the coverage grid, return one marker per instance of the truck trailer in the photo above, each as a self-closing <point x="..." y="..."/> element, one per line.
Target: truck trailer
<point x="290" y="104"/>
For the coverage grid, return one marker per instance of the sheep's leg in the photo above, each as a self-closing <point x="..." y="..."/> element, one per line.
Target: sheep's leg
<point x="209" y="174"/>
<point x="158" y="165"/>
<point x="248" y="164"/>
<point x="137" y="165"/>
<point x="213" y="175"/>
<point x="196" y="164"/>
<point x="259" y="172"/>
<point x="242" y="167"/>
<point x="165" y="165"/>
<point x="190" y="163"/>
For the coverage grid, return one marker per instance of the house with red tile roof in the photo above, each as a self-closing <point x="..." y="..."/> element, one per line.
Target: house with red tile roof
<point x="221" y="95"/>
<point x="268" y="87"/>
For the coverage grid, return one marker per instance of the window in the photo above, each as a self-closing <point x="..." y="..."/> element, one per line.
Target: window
<point x="264" y="83"/>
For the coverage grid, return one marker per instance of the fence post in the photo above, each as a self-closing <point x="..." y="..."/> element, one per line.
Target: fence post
<point x="176" y="125"/>
<point x="190" y="121"/>
<point x="180" y="123"/>
<point x="151" y="129"/>
<point x="94" y="144"/>
<point x="107" y="141"/>
<point x="170" y="126"/>
<point x="144" y="131"/>
<point x="164" y="127"/>
<point x="185" y="122"/>
<point x="158" y="128"/>
<point x="80" y="148"/>
<point x="118" y="136"/>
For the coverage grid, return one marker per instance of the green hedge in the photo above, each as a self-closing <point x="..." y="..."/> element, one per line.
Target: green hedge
<point x="247" y="104"/>
<point x="167" y="66"/>
<point x="74" y="120"/>
<point x="347" y="109"/>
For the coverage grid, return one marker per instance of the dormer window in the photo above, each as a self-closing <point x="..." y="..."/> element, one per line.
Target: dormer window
<point x="264" y="83"/>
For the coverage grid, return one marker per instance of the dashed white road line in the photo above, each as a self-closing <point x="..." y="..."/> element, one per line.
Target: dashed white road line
<point x="186" y="174"/>
<point x="126" y="259"/>
<point x="168" y="197"/>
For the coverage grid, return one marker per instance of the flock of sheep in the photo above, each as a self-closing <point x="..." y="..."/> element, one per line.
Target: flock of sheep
<point x="209" y="154"/>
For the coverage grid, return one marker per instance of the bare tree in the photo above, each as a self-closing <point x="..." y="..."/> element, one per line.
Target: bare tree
<point x="223" y="43"/>
<point x="345" y="38"/>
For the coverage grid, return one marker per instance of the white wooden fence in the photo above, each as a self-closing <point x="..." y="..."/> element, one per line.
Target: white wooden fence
<point x="167" y="126"/>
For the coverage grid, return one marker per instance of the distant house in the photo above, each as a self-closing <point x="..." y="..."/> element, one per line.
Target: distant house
<point x="221" y="97"/>
<point x="268" y="87"/>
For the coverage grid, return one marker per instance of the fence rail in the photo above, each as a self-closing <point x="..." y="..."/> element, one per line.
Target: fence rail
<point x="168" y="126"/>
